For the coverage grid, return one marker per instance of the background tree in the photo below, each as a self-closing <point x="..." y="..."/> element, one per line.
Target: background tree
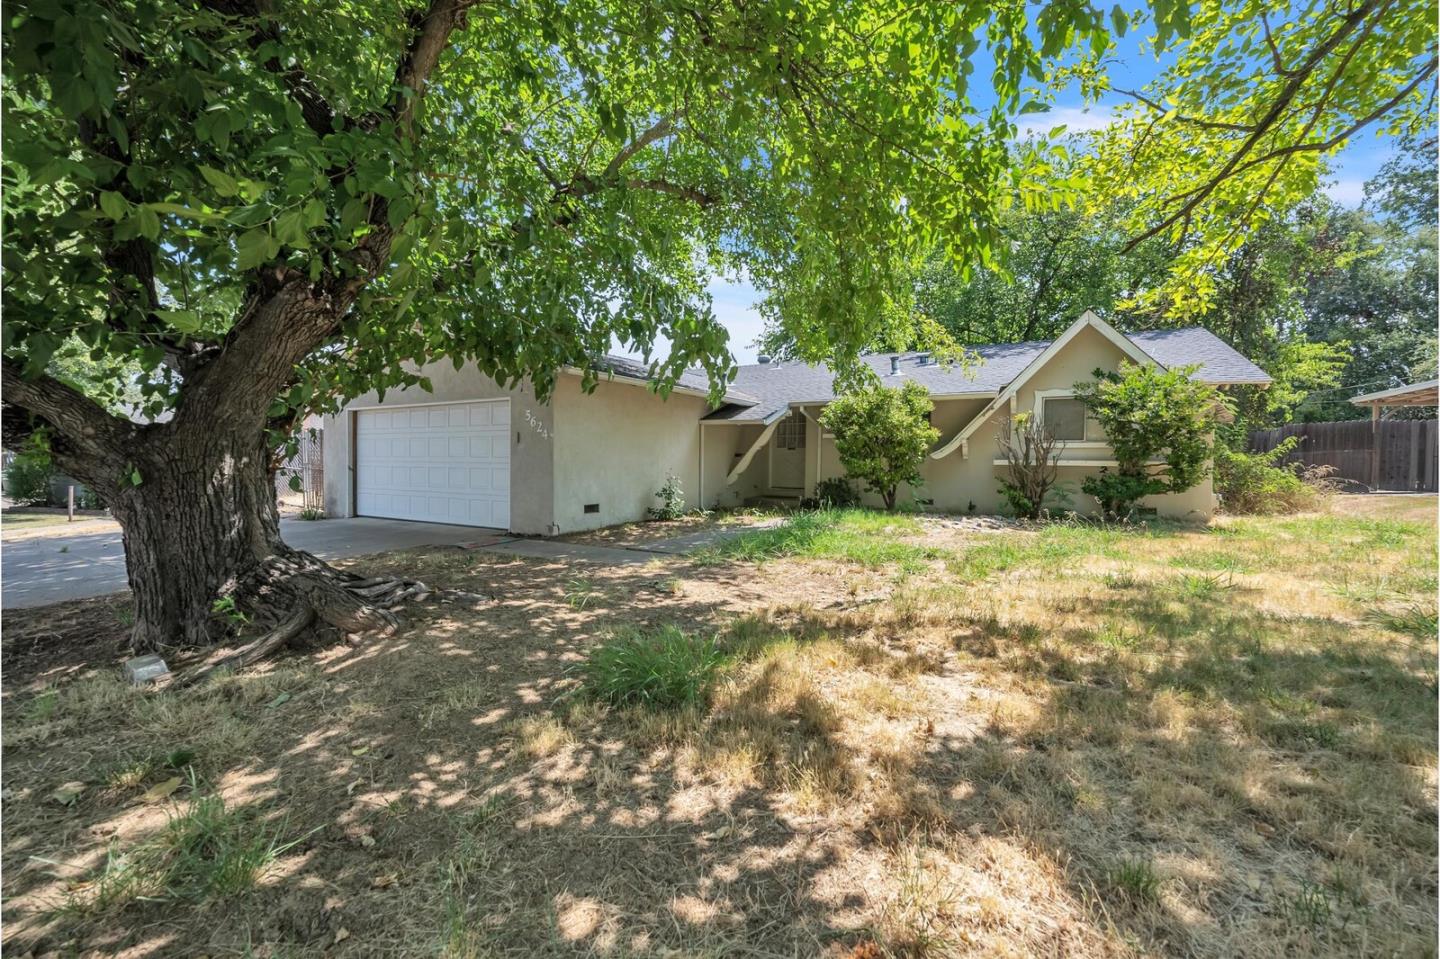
<point x="1372" y="296"/>
<point x="263" y="208"/>
<point x="883" y="435"/>
<point x="1159" y="424"/>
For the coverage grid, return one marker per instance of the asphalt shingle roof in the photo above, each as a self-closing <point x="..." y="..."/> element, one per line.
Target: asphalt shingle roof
<point x="776" y="386"/>
<point x="1192" y="345"/>
<point x="690" y="379"/>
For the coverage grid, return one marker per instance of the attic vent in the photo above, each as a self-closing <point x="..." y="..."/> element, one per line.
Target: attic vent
<point x="924" y="359"/>
<point x="894" y="365"/>
<point x="763" y="359"/>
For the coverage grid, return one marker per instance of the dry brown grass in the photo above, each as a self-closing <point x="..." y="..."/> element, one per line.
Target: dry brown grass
<point x="1084" y="742"/>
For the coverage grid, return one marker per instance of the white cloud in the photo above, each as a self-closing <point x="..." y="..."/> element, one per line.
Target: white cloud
<point x="1347" y="191"/>
<point x="1075" y="119"/>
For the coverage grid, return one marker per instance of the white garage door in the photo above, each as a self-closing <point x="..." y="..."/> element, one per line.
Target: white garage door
<point x="446" y="463"/>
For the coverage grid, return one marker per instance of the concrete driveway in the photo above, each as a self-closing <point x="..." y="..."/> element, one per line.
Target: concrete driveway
<point x="34" y="572"/>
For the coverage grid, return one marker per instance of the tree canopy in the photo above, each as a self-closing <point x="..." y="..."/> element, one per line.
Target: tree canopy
<point x="514" y="183"/>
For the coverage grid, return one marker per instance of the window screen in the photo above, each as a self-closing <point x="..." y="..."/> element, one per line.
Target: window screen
<point x="790" y="434"/>
<point x="1066" y="419"/>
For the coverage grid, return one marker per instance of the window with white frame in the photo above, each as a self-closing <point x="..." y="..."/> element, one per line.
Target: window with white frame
<point x="790" y="434"/>
<point x="1066" y="418"/>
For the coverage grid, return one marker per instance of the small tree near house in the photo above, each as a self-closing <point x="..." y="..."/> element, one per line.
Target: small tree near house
<point x="882" y="435"/>
<point x="1159" y="424"/>
<point x="1033" y="463"/>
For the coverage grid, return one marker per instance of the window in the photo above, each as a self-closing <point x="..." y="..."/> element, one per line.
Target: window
<point x="790" y="434"/>
<point x="1066" y="419"/>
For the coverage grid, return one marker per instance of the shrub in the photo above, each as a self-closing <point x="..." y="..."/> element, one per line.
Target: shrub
<point x="659" y="669"/>
<point x="1032" y="462"/>
<point x="837" y="493"/>
<point x="1148" y="414"/>
<point x="672" y="500"/>
<point x="27" y="479"/>
<point x="882" y="435"/>
<point x="1255" y="483"/>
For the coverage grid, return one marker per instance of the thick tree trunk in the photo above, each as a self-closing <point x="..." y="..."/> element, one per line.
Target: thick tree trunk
<point x="202" y="525"/>
<point x="201" y="517"/>
<point x="194" y="496"/>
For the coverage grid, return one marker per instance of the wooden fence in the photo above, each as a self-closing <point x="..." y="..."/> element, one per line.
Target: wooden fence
<point x="1406" y="450"/>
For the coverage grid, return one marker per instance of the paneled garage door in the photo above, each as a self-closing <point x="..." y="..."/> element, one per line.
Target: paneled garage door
<point x="445" y="463"/>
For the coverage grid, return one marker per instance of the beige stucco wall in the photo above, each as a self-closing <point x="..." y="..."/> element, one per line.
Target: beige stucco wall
<point x="955" y="482"/>
<point x="725" y="444"/>
<point x="532" y="450"/>
<point x="615" y="446"/>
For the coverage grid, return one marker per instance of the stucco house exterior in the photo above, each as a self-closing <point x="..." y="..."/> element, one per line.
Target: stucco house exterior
<point x="471" y="452"/>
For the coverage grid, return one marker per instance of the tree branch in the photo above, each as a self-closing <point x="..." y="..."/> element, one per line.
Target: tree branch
<point x="1180" y="117"/>
<point x="1280" y="67"/>
<point x="656" y="185"/>
<point x="431" y="35"/>
<point x="1288" y="92"/>
<point x="313" y="106"/>
<point x="663" y="128"/>
<point x="86" y="425"/>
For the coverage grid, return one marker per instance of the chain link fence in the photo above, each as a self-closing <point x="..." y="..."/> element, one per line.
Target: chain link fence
<point x="300" y="480"/>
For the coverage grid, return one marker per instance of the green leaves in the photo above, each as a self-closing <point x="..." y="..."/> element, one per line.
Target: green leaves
<point x="224" y="184"/>
<point x="1238" y="128"/>
<point x="883" y="435"/>
<point x="255" y="247"/>
<point x="186" y="321"/>
<point x="115" y="206"/>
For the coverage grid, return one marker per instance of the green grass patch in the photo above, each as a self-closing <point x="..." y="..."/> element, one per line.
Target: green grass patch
<point x="1214" y="561"/>
<point x="663" y="668"/>
<point x="863" y="537"/>
<point x="1134" y="880"/>
<point x="1417" y="620"/>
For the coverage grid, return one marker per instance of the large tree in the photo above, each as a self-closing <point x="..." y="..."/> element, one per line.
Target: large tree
<point x="247" y="209"/>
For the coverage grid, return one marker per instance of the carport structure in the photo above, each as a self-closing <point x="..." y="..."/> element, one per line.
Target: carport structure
<point x="1413" y="394"/>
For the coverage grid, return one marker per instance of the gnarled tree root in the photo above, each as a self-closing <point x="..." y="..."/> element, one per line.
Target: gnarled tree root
<point x="294" y="593"/>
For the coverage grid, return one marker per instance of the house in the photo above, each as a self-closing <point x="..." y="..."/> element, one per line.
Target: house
<point x="475" y="453"/>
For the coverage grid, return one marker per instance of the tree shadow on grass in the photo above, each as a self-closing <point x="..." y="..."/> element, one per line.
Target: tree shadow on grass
<point x="1273" y="768"/>
<point x="468" y="803"/>
<point x="439" y="792"/>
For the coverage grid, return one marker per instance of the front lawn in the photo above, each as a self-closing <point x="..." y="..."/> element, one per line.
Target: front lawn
<point x="871" y="734"/>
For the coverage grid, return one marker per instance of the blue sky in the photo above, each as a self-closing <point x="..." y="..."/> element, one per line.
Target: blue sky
<point x="1132" y="67"/>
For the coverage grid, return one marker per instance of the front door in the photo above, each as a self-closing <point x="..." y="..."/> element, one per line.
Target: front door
<point x="787" y="453"/>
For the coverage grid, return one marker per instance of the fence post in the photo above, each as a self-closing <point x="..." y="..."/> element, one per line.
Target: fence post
<point x="70" y="504"/>
<point x="1374" y="447"/>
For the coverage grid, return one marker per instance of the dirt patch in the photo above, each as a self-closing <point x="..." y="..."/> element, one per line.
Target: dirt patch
<point x="646" y="533"/>
<point x="47" y="645"/>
